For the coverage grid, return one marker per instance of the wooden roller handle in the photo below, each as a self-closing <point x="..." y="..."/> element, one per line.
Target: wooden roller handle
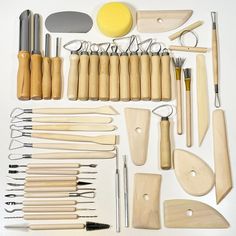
<point x="47" y="79"/>
<point x="53" y="165"/>
<point x="36" y="77"/>
<point x="51" y="172"/>
<point x="48" y="209"/>
<point x="46" y="195"/>
<point x="93" y="76"/>
<point x="49" y="217"/>
<point x="188" y="119"/>
<point x="49" y="202"/>
<point x="124" y="78"/>
<point x="83" y="90"/>
<point x="50" y="189"/>
<point x="73" y="78"/>
<point x="56" y="78"/>
<point x="50" y="178"/>
<point x="23" y="76"/>
<point x="104" y="78"/>
<point x="179" y="107"/>
<point x="188" y="49"/>
<point x="165" y="146"/>
<point x="145" y="77"/>
<point x="114" y="78"/>
<point x="155" y="78"/>
<point x="165" y="78"/>
<point x="215" y="56"/>
<point x="51" y="184"/>
<point x="135" y="90"/>
<point x="56" y="226"/>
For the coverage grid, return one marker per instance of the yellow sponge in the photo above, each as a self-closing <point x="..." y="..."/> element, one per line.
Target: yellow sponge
<point x="114" y="19"/>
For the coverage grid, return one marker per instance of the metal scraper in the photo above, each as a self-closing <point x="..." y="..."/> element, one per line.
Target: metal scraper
<point x="69" y="22"/>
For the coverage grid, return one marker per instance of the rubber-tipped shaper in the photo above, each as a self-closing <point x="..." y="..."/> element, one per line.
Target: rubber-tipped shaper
<point x="90" y="226"/>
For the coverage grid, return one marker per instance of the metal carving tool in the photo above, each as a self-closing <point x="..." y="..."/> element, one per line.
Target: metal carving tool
<point x="117" y="193"/>
<point x="126" y="193"/>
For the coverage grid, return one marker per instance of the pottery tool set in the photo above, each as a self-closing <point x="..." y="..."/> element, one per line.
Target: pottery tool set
<point x="55" y="152"/>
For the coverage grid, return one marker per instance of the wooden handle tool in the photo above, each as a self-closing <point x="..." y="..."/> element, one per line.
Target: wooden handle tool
<point x="87" y="194"/>
<point x="35" y="171"/>
<point x="50" y="217"/>
<point x="165" y="76"/>
<point x="53" y="189"/>
<point x="188" y="49"/>
<point x="93" y="75"/>
<point x="56" y="165"/>
<point x="50" y="202"/>
<point x="39" y="178"/>
<point x="51" y="184"/>
<point x="156" y="77"/>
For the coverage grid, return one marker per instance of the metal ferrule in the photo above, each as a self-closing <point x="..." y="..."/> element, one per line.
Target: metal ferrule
<point x="28" y="127"/>
<point x="216" y="88"/>
<point x="27" y="155"/>
<point x="29" y="111"/>
<point x="30" y="145"/>
<point x="26" y="134"/>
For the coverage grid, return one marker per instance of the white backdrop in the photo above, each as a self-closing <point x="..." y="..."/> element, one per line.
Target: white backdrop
<point x="170" y="189"/>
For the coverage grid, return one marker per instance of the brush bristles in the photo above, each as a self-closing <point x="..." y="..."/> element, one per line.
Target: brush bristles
<point x="178" y="62"/>
<point x="187" y="73"/>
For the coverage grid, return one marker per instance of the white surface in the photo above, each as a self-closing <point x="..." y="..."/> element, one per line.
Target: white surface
<point x="105" y="202"/>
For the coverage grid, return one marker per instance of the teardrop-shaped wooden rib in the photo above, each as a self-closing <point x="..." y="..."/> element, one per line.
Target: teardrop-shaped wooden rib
<point x="193" y="174"/>
<point x="180" y="213"/>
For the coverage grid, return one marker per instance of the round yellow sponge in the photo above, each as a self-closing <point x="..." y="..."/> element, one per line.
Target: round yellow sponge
<point x="114" y="19"/>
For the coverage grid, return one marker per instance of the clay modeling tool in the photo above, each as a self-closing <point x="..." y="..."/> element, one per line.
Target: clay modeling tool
<point x="56" y="73"/>
<point x="74" y="47"/>
<point x="103" y="110"/>
<point x="165" y="75"/>
<point x="181" y="213"/>
<point x="202" y="98"/>
<point x="146" y="201"/>
<point x="102" y="139"/>
<point x="117" y="194"/>
<point x="164" y="111"/>
<point x="69" y="22"/>
<point x="187" y="76"/>
<point x="188" y="49"/>
<point x="215" y="59"/>
<point x="193" y="174"/>
<point x="63" y="119"/>
<point x="64" y="127"/>
<point x="48" y="216"/>
<point x="138" y="124"/>
<point x="89" y="226"/>
<point x="83" y="90"/>
<point x="178" y="62"/>
<point x="223" y="176"/>
<point x="155" y="71"/>
<point x="114" y="19"/>
<point x="47" y="203"/>
<point x="87" y="194"/>
<point x="36" y="62"/>
<point x="185" y="30"/>
<point x="23" y="74"/>
<point x="126" y="193"/>
<point x="47" y="76"/>
<point x="114" y="74"/>
<point x="145" y="75"/>
<point x="161" y="21"/>
<point x="104" y="72"/>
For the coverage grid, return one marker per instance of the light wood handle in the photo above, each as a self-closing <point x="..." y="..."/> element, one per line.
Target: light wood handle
<point x="56" y="78"/>
<point x="73" y="78"/>
<point x="102" y="139"/>
<point x="74" y="155"/>
<point x="104" y="77"/>
<point x="179" y="106"/>
<point x="50" y="189"/>
<point x="36" y="178"/>
<point x="56" y="226"/>
<point x="124" y="78"/>
<point x="46" y="195"/>
<point x="47" y="78"/>
<point x="215" y="56"/>
<point x="52" y="172"/>
<point x="23" y="76"/>
<point x="93" y="76"/>
<point x="49" y="202"/>
<point x="49" y="217"/>
<point x="155" y="78"/>
<point x="188" y="120"/>
<point x="165" y="146"/>
<point x="48" y="209"/>
<point x="51" y="184"/>
<point x="114" y="78"/>
<point x="135" y="90"/>
<point x="36" y="77"/>
<point x="165" y="78"/>
<point x="83" y="90"/>
<point x="188" y="49"/>
<point x="145" y="77"/>
<point x="53" y="165"/>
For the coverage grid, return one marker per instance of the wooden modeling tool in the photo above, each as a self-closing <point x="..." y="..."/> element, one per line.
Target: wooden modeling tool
<point x="193" y="174"/>
<point x="188" y="49"/>
<point x="180" y="213"/>
<point x="137" y="124"/>
<point x="165" y="76"/>
<point x="223" y="176"/>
